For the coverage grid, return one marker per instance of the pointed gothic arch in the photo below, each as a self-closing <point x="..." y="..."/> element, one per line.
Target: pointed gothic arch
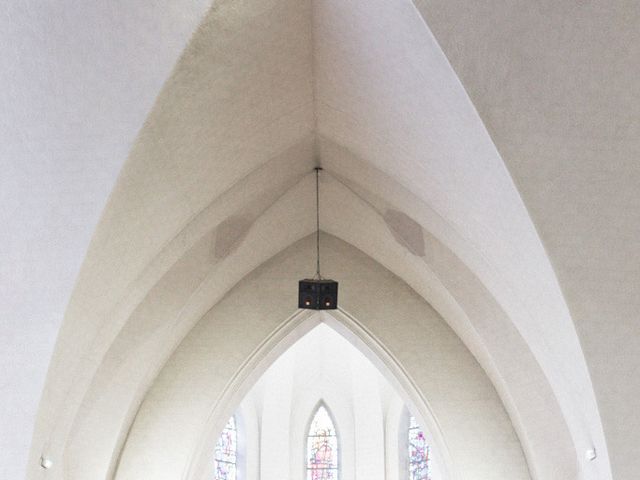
<point x="322" y="445"/>
<point x="226" y="452"/>
<point x="419" y="452"/>
<point x="287" y="334"/>
<point x="401" y="359"/>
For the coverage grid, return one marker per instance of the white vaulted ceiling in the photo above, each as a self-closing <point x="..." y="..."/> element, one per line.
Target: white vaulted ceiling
<point x="485" y="153"/>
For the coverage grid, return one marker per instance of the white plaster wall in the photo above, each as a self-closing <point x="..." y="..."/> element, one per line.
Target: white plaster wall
<point x="164" y="316"/>
<point x="77" y="82"/>
<point x="277" y="404"/>
<point x="323" y="367"/>
<point x="368" y="418"/>
<point x="380" y="89"/>
<point x="315" y="380"/>
<point x="394" y="438"/>
<point x="557" y="86"/>
<point x="401" y="107"/>
<point x="248" y="432"/>
<point x="268" y="40"/>
<point x="185" y="394"/>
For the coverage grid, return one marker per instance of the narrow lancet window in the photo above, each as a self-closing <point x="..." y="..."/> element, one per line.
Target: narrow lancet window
<point x="322" y="447"/>
<point x="226" y="452"/>
<point x="419" y="453"/>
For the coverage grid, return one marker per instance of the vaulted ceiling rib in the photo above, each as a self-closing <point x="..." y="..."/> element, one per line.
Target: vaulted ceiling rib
<point x="218" y="183"/>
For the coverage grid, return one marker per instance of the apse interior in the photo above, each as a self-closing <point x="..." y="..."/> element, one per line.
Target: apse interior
<point x="370" y="419"/>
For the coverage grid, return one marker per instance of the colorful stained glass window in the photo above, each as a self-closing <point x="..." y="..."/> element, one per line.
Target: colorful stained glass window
<point x="419" y="453"/>
<point x="226" y="452"/>
<point x="322" y="447"/>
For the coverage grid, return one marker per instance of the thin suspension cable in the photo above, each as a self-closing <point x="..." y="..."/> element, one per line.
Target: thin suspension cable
<point x="318" y="222"/>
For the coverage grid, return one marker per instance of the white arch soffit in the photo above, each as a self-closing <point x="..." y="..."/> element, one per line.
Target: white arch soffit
<point x="78" y="80"/>
<point x="380" y="227"/>
<point x="519" y="290"/>
<point x="465" y="180"/>
<point x="131" y="453"/>
<point x="184" y="244"/>
<point x="121" y="252"/>
<point x="290" y="331"/>
<point x="359" y="336"/>
<point x="257" y="193"/>
<point x="209" y="286"/>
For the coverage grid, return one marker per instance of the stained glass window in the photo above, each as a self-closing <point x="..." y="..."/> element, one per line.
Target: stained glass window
<point x="226" y="452"/>
<point x="419" y="453"/>
<point x="322" y="447"/>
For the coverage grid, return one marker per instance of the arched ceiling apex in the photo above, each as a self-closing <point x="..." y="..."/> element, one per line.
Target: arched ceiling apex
<point x="222" y="165"/>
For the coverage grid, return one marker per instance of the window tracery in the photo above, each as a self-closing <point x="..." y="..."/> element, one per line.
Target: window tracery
<point x="419" y="452"/>
<point x="322" y="447"/>
<point x="226" y="452"/>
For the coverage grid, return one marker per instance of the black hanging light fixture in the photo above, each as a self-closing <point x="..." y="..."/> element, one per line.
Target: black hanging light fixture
<point x="318" y="293"/>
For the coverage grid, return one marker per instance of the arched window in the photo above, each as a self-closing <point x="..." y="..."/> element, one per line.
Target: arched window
<point x="226" y="452"/>
<point x="322" y="447"/>
<point x="419" y="453"/>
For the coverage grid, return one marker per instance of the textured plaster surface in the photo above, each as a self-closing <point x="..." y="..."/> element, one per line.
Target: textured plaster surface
<point x="506" y="131"/>
<point x="77" y="82"/>
<point x="325" y="367"/>
<point x="190" y="387"/>
<point x="556" y="84"/>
